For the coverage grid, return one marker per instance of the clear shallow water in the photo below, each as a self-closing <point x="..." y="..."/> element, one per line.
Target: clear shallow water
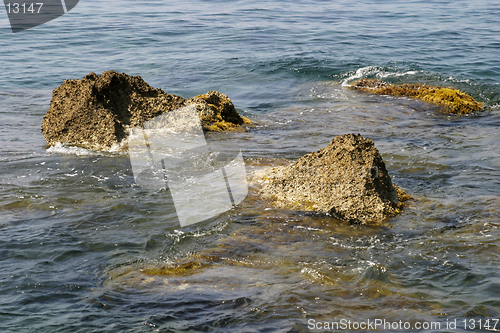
<point x="75" y="232"/>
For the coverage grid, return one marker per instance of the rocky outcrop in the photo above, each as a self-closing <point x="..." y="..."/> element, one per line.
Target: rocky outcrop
<point x="451" y="100"/>
<point x="217" y="112"/>
<point x="96" y="111"/>
<point x="347" y="179"/>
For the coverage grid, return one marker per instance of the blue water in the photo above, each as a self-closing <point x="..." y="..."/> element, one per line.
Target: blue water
<point x="75" y="234"/>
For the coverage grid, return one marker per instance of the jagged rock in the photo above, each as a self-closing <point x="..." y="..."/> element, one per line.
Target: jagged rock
<point x="451" y="100"/>
<point x="96" y="111"/>
<point x="347" y="179"/>
<point x="217" y="112"/>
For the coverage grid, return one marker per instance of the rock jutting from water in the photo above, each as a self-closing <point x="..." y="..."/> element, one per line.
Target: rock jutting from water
<point x="96" y="111"/>
<point x="347" y="179"/>
<point x="452" y="100"/>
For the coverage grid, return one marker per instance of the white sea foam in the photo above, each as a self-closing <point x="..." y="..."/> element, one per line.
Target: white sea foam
<point x="360" y="73"/>
<point x="390" y="74"/>
<point x="455" y="80"/>
<point x="373" y="71"/>
<point x="60" y="148"/>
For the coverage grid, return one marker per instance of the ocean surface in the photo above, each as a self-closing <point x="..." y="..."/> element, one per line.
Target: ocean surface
<point x="78" y="239"/>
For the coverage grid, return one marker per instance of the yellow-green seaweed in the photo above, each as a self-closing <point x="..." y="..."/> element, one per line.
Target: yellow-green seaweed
<point x="452" y="100"/>
<point x="217" y="112"/>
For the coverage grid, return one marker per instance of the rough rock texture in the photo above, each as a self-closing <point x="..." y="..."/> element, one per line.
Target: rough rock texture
<point x="452" y="100"/>
<point x="346" y="179"/>
<point x="217" y="112"/>
<point x="96" y="111"/>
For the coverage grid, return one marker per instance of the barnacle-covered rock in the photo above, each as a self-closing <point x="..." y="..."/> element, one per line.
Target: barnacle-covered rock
<point x="96" y="111"/>
<point x="347" y="179"/>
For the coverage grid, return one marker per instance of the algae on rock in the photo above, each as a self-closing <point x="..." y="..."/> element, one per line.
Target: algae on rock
<point x="96" y="111"/>
<point x="452" y="100"/>
<point x="347" y="179"/>
<point x="217" y="112"/>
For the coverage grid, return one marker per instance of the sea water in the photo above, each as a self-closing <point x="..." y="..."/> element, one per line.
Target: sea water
<point x="77" y="235"/>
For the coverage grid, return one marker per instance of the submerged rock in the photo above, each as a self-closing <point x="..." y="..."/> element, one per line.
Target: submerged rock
<point x="96" y="111"/>
<point x="347" y="179"/>
<point x="452" y="100"/>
